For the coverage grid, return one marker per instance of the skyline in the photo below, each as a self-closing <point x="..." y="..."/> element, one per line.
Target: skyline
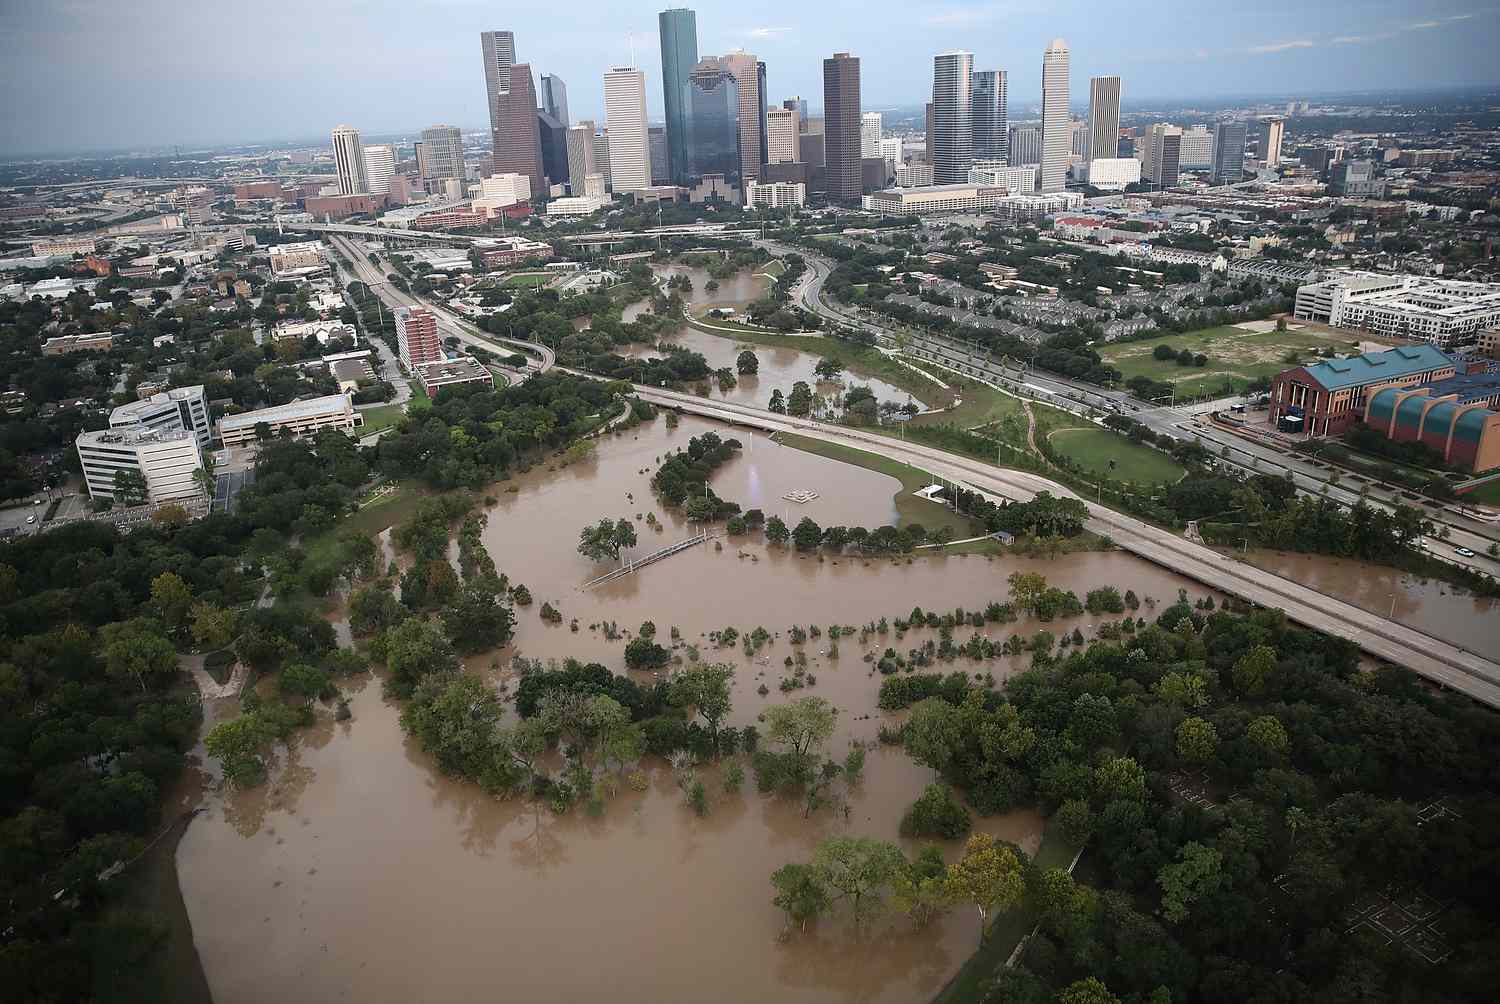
<point x="390" y="67"/>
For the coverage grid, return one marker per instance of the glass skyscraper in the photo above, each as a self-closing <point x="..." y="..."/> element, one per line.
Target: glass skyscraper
<point x="679" y="55"/>
<point x="713" y="113"/>
<point x="991" y="125"/>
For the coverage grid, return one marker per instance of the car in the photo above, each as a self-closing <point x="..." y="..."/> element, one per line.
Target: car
<point x="31" y="519"/>
<point x="1463" y="551"/>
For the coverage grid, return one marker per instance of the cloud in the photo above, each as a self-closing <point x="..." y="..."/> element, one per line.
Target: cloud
<point x="1363" y="39"/>
<point x="1420" y="25"/>
<point x="1299" y="43"/>
<point x="768" y="32"/>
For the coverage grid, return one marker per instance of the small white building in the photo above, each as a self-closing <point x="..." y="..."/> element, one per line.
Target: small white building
<point x="323" y="331"/>
<point x="775" y="194"/>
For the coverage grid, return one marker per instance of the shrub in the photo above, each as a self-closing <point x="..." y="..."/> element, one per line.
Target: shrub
<point x="936" y="813"/>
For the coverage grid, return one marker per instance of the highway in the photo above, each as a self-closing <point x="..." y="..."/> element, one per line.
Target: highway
<point x="1429" y="656"/>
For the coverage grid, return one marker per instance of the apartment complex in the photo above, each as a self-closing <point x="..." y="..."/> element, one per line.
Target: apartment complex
<point x="295" y="257"/>
<point x="1444" y="312"/>
<point x="299" y="418"/>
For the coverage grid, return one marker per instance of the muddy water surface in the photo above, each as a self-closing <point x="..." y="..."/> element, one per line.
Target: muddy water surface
<point x="359" y="872"/>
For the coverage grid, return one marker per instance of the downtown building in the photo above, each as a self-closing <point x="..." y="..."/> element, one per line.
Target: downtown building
<point x="841" y="128"/>
<point x="714" y="137"/>
<point x="1057" y="138"/>
<point x="629" y="141"/>
<point x="989" y="117"/>
<point x="441" y="154"/>
<point x="1229" y="151"/>
<point x="749" y="74"/>
<point x="1102" y="142"/>
<point x="952" y="117"/>
<point x="678" y="29"/>
<point x="349" y="161"/>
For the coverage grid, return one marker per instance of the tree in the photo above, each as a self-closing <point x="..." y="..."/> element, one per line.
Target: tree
<point x="801" y="401"/>
<point x="606" y="539"/>
<point x="936" y="813"/>
<point x="171" y="600"/>
<point x="1185" y="690"/>
<point x="858" y="869"/>
<point x="455" y="719"/>
<point x="237" y="745"/>
<point x="800" y="893"/>
<point x="476" y="620"/>
<point x="1026" y="589"/>
<point x="213" y="627"/>
<point x="776" y="531"/>
<point x="137" y="650"/>
<point x="1252" y="670"/>
<point x="1268" y="733"/>
<point x="778" y="402"/>
<point x="302" y="680"/>
<point x="706" y="689"/>
<point x="933" y="734"/>
<point x="1120" y="777"/>
<point x="1197" y="740"/>
<point x="1074" y="821"/>
<point x="1197" y="872"/>
<point x="130" y="486"/>
<point x="828" y="368"/>
<point x="643" y="653"/>
<point x="414" y="649"/>
<point x="801" y="726"/>
<point x="807" y="535"/>
<point x="988" y="876"/>
<point x="1086" y="991"/>
<point x="747" y="364"/>
<point x="919" y="888"/>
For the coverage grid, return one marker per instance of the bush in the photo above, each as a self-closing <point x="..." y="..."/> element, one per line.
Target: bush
<point x="904" y="691"/>
<point x="643" y="653"/>
<point x="936" y="814"/>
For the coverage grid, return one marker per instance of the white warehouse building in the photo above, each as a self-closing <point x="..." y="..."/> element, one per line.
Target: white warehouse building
<point x="168" y="458"/>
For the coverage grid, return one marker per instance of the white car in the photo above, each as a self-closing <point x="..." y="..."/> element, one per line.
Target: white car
<point x="1463" y="551"/>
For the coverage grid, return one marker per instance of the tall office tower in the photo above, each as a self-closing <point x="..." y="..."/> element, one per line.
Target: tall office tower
<point x="349" y="160"/>
<point x="762" y="106"/>
<point x="601" y="156"/>
<point x="554" y="139"/>
<point x="679" y="54"/>
<point x="380" y="164"/>
<point x="629" y="142"/>
<point x="841" y="127"/>
<point x="417" y="336"/>
<point x="516" y="133"/>
<point x="1104" y="119"/>
<point x="1055" y="134"/>
<point x="891" y="152"/>
<point x="1078" y="137"/>
<point x="991" y="115"/>
<point x="1025" y="145"/>
<point x="1269" y="134"/>
<point x="555" y="97"/>
<point x="927" y="142"/>
<point x="798" y="105"/>
<point x="1160" y="154"/>
<point x="869" y="134"/>
<point x="746" y="70"/>
<point x="661" y="164"/>
<point x="499" y="49"/>
<point x="1229" y="151"/>
<point x="580" y="155"/>
<point x="952" y="117"/>
<point x="781" y="136"/>
<point x="1197" y="149"/>
<point x="424" y="168"/>
<point x="715" y="141"/>
<point x="441" y="154"/>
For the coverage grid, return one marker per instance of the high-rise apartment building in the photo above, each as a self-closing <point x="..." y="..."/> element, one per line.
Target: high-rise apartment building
<point x="349" y="161"/>
<point x="555" y="98"/>
<point x="715" y="137"/>
<point x="629" y="141"/>
<point x="1103" y="140"/>
<point x="869" y="134"/>
<point x="1056" y="137"/>
<point x="679" y="55"/>
<point x="990" y="115"/>
<point x="1229" y="151"/>
<point x="442" y="153"/>
<point x="380" y="164"/>
<point x="841" y="127"/>
<point x="580" y="155"/>
<point x="747" y="72"/>
<point x="417" y="337"/>
<point x="952" y="117"/>
<point x="781" y="136"/>
<point x="1025" y="144"/>
<point x="1268" y="134"/>
<point x="516" y="132"/>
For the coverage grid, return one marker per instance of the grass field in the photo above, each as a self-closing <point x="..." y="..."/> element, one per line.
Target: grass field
<point x="526" y="280"/>
<point x="1235" y="356"/>
<point x="909" y="509"/>
<point x="1094" y="448"/>
<point x="380" y="418"/>
<point x="419" y="399"/>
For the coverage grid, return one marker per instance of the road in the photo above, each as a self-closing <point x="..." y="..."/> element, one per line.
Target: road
<point x="1429" y="656"/>
<point x="1245" y="453"/>
<point x="449" y="323"/>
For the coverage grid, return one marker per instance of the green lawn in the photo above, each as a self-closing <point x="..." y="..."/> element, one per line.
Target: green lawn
<point x="1486" y="494"/>
<point x="380" y="418"/>
<point x="419" y="399"/>
<point x="1094" y="448"/>
<point x="909" y="509"/>
<point x="1235" y="356"/>
<point x="774" y="268"/>
<point x="526" y="280"/>
<point x="981" y="406"/>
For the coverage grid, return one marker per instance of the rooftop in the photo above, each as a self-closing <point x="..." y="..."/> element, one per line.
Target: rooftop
<point x="135" y="410"/>
<point x="309" y="408"/>
<point x="1372" y="366"/>
<point x="460" y="370"/>
<point x="1468" y="386"/>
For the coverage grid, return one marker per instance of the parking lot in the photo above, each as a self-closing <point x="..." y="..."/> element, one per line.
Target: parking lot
<point x="13" y="518"/>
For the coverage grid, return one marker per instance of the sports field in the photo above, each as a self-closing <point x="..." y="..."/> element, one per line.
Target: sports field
<point x="1236" y="355"/>
<point x="1094" y="448"/>
<point x="526" y="280"/>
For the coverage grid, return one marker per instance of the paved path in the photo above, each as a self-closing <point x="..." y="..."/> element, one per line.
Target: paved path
<point x="208" y="688"/>
<point x="1432" y="657"/>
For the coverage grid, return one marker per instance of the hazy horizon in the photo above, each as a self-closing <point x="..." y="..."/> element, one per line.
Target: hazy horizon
<point x="89" y="76"/>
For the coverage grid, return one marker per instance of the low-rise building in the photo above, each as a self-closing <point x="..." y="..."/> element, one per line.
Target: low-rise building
<point x="507" y="251"/>
<point x="1326" y="398"/>
<point x="775" y="195"/>
<point x="577" y="205"/>
<point x="1443" y="312"/>
<point x="300" y="257"/>
<point x="299" y="418"/>
<point x="100" y="341"/>
<point x="1020" y="179"/>
<point x="167" y="458"/>
<point x="68" y="246"/>
<point x="1465" y="430"/>
<point x="323" y="331"/>
<point x="435" y="376"/>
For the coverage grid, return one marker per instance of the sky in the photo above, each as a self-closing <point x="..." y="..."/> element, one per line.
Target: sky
<point x="138" y="74"/>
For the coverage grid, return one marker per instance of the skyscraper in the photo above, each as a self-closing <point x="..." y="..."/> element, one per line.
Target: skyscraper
<point x="715" y="137"/>
<point x="952" y="117"/>
<point x="1269" y="134"/>
<point x="554" y="140"/>
<point x="990" y="116"/>
<point x="517" y="136"/>
<point x="1160" y="154"/>
<point x="798" y="105"/>
<point x="380" y="164"/>
<point x="580" y="155"/>
<point x="555" y="98"/>
<point x="499" y="49"/>
<point x="841" y="127"/>
<point x="442" y="153"/>
<point x="762" y="105"/>
<point x="746" y="70"/>
<point x="656" y="146"/>
<point x="1056" y="137"/>
<point x="869" y="134"/>
<point x="601" y="156"/>
<point x="349" y="160"/>
<point x="781" y="136"/>
<point x="679" y="54"/>
<point x="1229" y="151"/>
<point x="1104" y="118"/>
<point x="1025" y="144"/>
<point x="629" y="142"/>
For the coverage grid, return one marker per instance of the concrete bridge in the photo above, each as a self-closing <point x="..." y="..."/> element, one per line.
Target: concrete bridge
<point x="1434" y="658"/>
